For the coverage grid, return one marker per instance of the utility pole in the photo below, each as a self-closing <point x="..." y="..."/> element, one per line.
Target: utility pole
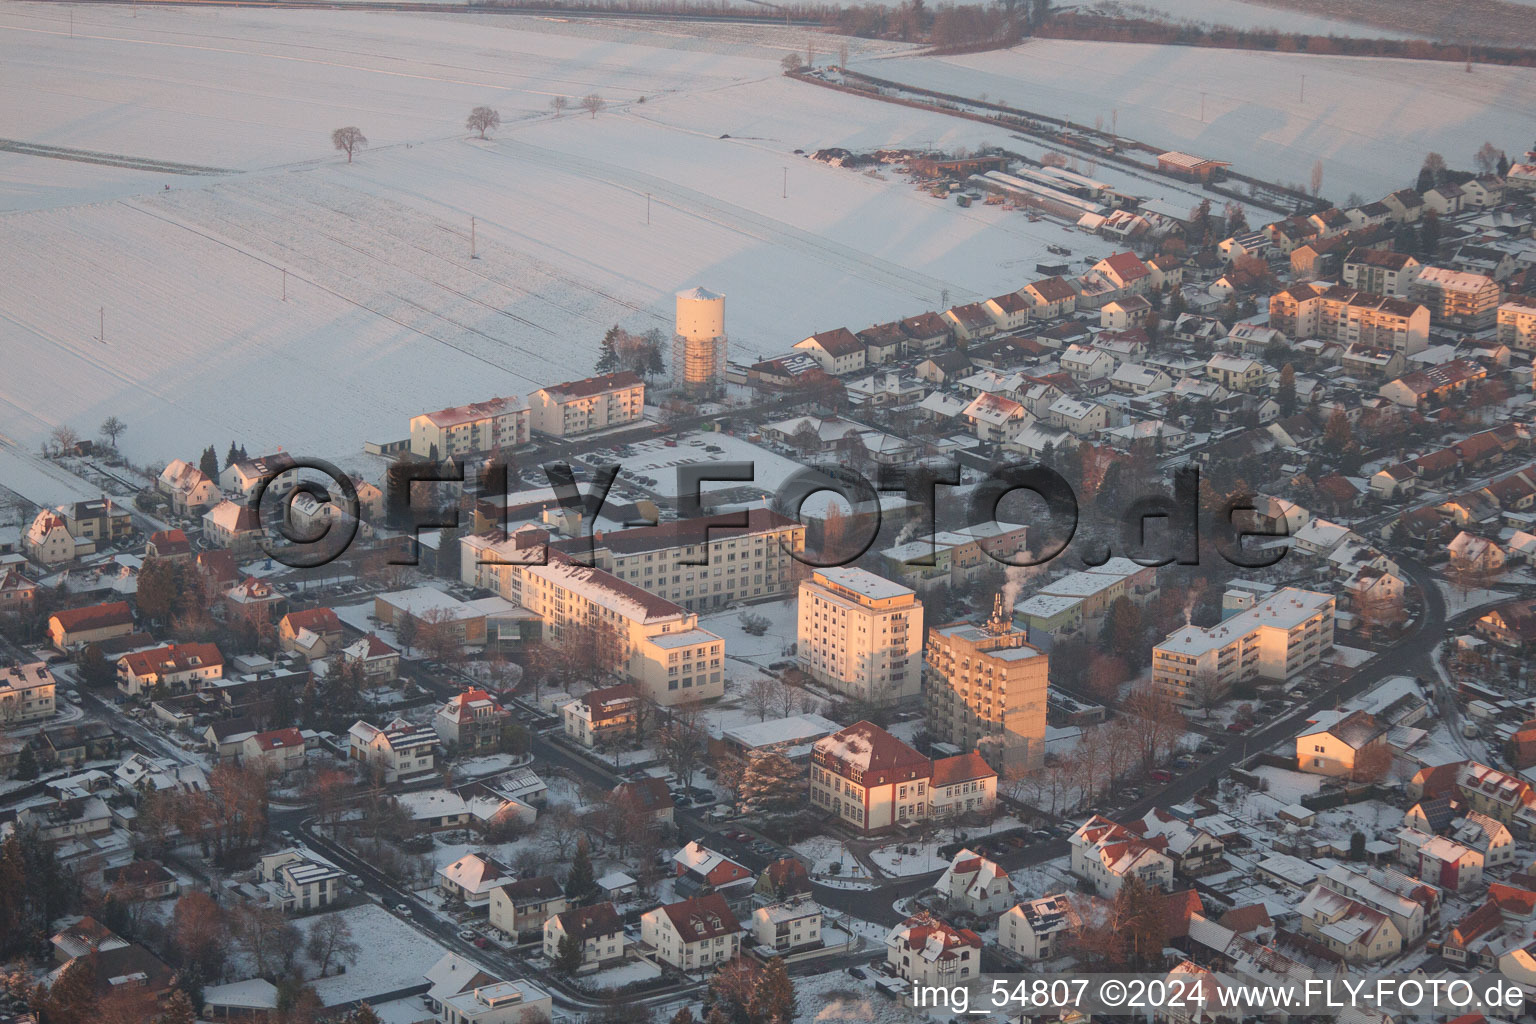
<point x="786" y="183"/>
<point x="647" y="209"/>
<point x="285" y="284"/>
<point x="472" y="239"/>
<point x="1202" y="108"/>
<point x="101" y="329"/>
<point x="1303" y="88"/>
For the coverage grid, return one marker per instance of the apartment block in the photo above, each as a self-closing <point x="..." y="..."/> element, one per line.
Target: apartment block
<point x="872" y="781"/>
<point x="861" y="635"/>
<point x="1517" y="324"/>
<point x="1282" y="635"/>
<point x="464" y="429"/>
<point x="705" y="562"/>
<point x="988" y="690"/>
<point x="649" y="640"/>
<point x="1457" y="297"/>
<point x="582" y="406"/>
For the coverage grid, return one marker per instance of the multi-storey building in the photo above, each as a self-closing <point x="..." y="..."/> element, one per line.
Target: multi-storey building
<point x="465" y="429"/>
<point x="1457" y="297"/>
<point x="595" y="403"/>
<point x="26" y="694"/>
<point x="649" y="640"/>
<point x="926" y="951"/>
<point x="705" y="562"/>
<point x="1105" y="854"/>
<point x="470" y="721"/>
<point x="400" y="751"/>
<point x="989" y="691"/>
<point x="1381" y="271"/>
<point x="603" y="715"/>
<point x="861" y="635"/>
<point x="297" y="883"/>
<point x="694" y="933"/>
<point x="1286" y="633"/>
<point x="871" y="780"/>
<point x="1517" y="324"/>
<point x="179" y="668"/>
<point x="1350" y="316"/>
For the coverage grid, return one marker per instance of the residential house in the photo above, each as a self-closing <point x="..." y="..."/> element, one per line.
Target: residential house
<point x="472" y="429"/>
<point x="1086" y="364"/>
<point x="971" y="321"/>
<point x="27" y="693"/>
<point x="1237" y="373"/>
<point x="603" y="716"/>
<point x="473" y="878"/>
<point x="138" y="881"/>
<point x="1343" y="745"/>
<point x="1081" y="418"/>
<point x="298" y="883"/>
<point x="232" y="525"/>
<point x="525" y="905"/>
<point x="927" y="951"/>
<point x="788" y="926"/>
<point x="77" y="627"/>
<point x="276" y="752"/>
<point x="277" y="472"/>
<point x="170" y="670"/>
<point x="597" y="929"/>
<point x="314" y="632"/>
<point x="838" y="352"/>
<point x="692" y="934"/>
<point x="189" y="489"/>
<point x="976" y="885"/>
<point x="1434" y="385"/>
<point x="1104" y="854"/>
<point x="379" y="661"/>
<point x="1123" y="314"/>
<point x="400" y="751"/>
<point x="1051" y="297"/>
<point x="995" y="418"/>
<point x="1456" y="297"/>
<point x="1010" y="311"/>
<point x="470" y="721"/>
<point x="1039" y="929"/>
<point x="697" y="868"/>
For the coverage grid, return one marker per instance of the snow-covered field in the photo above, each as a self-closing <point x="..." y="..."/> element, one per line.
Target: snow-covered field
<point x="1369" y="121"/>
<point x="386" y="315"/>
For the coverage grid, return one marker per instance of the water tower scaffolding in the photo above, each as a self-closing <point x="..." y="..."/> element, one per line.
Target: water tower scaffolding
<point x="699" y="346"/>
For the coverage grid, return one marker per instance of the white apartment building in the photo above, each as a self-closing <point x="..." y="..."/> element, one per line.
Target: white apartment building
<point x="861" y="635"/>
<point x="479" y="427"/>
<point x="793" y="924"/>
<point x="581" y="406"/>
<point x="706" y="562"/>
<point x="692" y="934"/>
<point x="1457" y="297"/>
<point x="298" y="883"/>
<point x="26" y="693"/>
<point x="1284" y="634"/>
<point x="652" y="642"/>
<point x="1517" y="324"/>
<point x="1036" y="929"/>
<point x="401" y="751"/>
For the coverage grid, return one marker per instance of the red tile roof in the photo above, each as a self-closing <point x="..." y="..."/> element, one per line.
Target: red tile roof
<point x="703" y="917"/>
<point x="96" y="616"/>
<point x="589" y="386"/>
<point x="279" y="739"/>
<point x="839" y="342"/>
<point x="316" y="620"/>
<point x="967" y="767"/>
<point x="172" y="658"/>
<point x="584" y="923"/>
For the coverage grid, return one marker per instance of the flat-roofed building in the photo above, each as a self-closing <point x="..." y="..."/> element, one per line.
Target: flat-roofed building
<point x="1457" y="297"/>
<point x="651" y="641"/>
<point x="988" y="691"/>
<point x="861" y="635"/>
<point x="1284" y="634"/>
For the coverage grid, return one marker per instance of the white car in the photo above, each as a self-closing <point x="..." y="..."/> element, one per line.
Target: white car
<point x="468" y="934"/>
<point x="402" y="910"/>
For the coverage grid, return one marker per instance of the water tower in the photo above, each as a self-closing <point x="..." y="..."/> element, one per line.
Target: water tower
<point x="699" y="346"/>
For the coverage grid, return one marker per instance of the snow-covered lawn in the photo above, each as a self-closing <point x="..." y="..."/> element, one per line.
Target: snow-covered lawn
<point x="1458" y="600"/>
<point x="393" y="955"/>
<point x="625" y="974"/>
<point x="1350" y="657"/>
<point x="893" y="861"/>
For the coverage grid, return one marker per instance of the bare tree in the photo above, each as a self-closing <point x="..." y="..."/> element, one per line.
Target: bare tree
<point x="482" y="120"/>
<point x="64" y="438"/>
<point x="1487" y="157"/>
<point x="1317" y="177"/>
<point x="330" y="942"/>
<point x="592" y="103"/>
<point x="111" y="429"/>
<point x="682" y="741"/>
<point x="1206" y="691"/>
<point x="842" y="56"/>
<point x="558" y="104"/>
<point x="348" y="140"/>
<point x="759" y="697"/>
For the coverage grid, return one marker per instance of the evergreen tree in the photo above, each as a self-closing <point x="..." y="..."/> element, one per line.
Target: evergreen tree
<point x="1337" y="434"/>
<point x="1357" y="846"/>
<point x="1426" y="180"/>
<point x="72" y="999"/>
<point x="178" y="1009"/>
<point x="26" y="763"/>
<point x="1123" y="630"/>
<point x="581" y="883"/>
<point x="608" y="352"/>
<point x="232" y="456"/>
<point x="1429" y="234"/>
<point x="189" y="982"/>
<point x="96" y="672"/>
<point x="209" y="463"/>
<point x="1286" y="395"/>
<point x="773" y="1000"/>
<point x="1503" y="166"/>
<point x="568" y="955"/>
<point x="772" y="784"/>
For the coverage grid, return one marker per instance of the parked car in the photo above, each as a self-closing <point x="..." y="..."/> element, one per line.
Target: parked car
<point x="402" y="910"/>
<point x="467" y="934"/>
<point x="1238" y="727"/>
<point x="1160" y="775"/>
<point x="854" y="972"/>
